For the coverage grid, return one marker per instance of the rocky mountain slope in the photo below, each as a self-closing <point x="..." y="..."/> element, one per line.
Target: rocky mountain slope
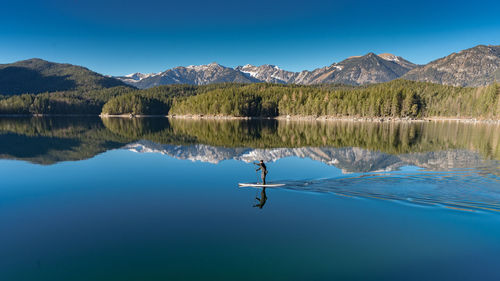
<point x="268" y="73"/>
<point x="473" y="67"/>
<point x="38" y="76"/>
<point x="359" y="70"/>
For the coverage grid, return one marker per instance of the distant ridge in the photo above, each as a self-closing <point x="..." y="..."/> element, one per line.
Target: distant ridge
<point x="38" y="76"/>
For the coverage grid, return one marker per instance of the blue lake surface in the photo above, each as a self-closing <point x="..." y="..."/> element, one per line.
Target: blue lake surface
<point x="157" y="199"/>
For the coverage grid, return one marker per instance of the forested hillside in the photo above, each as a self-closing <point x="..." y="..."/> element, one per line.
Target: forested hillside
<point x="35" y="76"/>
<point x="158" y="100"/>
<point x="64" y="102"/>
<point x="399" y="98"/>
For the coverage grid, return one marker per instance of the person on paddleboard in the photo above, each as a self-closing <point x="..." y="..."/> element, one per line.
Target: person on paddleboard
<point x="263" y="168"/>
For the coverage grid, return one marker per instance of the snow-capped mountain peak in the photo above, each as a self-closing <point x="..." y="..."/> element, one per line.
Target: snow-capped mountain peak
<point x="389" y="57"/>
<point x="138" y="76"/>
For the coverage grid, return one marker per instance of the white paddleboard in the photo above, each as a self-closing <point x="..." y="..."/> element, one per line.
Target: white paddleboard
<point x="261" y="185"/>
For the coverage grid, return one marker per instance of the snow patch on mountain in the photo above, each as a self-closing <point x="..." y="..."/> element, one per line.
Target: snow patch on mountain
<point x="389" y="57"/>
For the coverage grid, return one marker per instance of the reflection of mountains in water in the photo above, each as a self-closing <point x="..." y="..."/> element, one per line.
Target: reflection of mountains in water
<point x="349" y="159"/>
<point x="454" y="179"/>
<point x="386" y="145"/>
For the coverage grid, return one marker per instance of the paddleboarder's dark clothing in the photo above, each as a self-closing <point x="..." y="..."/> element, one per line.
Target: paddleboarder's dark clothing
<point x="262" y="167"/>
<point x="262" y="199"/>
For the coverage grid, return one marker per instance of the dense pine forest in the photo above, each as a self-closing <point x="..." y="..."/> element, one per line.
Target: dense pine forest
<point x="398" y="98"/>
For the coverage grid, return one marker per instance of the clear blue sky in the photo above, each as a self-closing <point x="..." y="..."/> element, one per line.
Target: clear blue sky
<point x="120" y="36"/>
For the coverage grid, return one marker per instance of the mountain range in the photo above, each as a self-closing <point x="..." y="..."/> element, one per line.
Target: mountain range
<point x="477" y="66"/>
<point x="358" y="70"/>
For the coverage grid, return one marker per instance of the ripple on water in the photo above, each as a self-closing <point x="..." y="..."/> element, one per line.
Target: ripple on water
<point x="467" y="189"/>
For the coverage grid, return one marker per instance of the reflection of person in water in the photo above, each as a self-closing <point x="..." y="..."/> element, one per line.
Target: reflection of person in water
<point x="263" y="168"/>
<point x="262" y="199"/>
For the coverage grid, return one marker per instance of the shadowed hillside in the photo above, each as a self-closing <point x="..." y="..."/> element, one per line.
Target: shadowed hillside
<point x="38" y="76"/>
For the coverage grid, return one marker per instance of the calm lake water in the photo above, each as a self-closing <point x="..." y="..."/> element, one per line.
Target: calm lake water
<point x="157" y="199"/>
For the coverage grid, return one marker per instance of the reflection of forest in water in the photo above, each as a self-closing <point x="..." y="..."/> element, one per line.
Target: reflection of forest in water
<point x="50" y="140"/>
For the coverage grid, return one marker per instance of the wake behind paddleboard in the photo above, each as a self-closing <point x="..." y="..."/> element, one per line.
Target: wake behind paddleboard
<point x="260" y="185"/>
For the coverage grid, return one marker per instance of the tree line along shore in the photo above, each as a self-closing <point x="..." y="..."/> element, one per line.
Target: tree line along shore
<point x="395" y="99"/>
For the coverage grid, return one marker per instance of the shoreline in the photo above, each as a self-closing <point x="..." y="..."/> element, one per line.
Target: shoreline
<point x="48" y="115"/>
<point x="336" y="118"/>
<point x="131" y="116"/>
<point x="281" y="118"/>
